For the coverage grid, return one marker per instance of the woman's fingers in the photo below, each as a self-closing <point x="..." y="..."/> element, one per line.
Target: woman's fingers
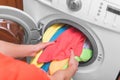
<point x="73" y="64"/>
<point x="72" y="60"/>
<point x="37" y="47"/>
<point x="40" y="46"/>
<point x="43" y="45"/>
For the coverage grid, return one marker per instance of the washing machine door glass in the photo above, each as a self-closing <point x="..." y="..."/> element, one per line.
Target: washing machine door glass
<point x="11" y="31"/>
<point x="17" y="26"/>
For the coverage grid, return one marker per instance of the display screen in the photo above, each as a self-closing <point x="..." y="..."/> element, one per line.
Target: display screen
<point x="113" y="10"/>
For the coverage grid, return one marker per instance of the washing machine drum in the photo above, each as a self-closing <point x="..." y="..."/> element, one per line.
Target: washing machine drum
<point x="65" y="35"/>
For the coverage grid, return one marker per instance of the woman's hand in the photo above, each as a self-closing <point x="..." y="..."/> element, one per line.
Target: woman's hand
<point x="69" y="72"/>
<point x="21" y="50"/>
<point x="37" y="47"/>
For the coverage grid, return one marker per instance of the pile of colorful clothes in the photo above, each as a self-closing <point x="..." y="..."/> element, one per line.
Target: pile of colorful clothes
<point x="55" y="57"/>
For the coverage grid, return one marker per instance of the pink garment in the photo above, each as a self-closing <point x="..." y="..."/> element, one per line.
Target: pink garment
<point x="70" y="39"/>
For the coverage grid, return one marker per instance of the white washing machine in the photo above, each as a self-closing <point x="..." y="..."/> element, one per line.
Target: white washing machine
<point x="97" y="19"/>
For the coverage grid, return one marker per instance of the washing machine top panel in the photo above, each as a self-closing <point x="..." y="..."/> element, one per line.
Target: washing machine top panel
<point x="104" y="13"/>
<point x="24" y="20"/>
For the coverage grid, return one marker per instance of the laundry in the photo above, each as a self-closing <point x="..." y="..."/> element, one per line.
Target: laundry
<point x="45" y="67"/>
<point x="86" y="55"/>
<point x="50" y="32"/>
<point x="34" y="60"/>
<point x="46" y="37"/>
<point x="59" y="32"/>
<point x="70" y="39"/>
<point x="86" y="52"/>
<point x="63" y="64"/>
<point x="57" y="65"/>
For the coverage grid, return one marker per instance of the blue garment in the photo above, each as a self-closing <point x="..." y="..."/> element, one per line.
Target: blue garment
<point x="45" y="67"/>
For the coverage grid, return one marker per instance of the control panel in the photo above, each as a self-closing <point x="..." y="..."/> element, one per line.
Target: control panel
<point x="104" y="13"/>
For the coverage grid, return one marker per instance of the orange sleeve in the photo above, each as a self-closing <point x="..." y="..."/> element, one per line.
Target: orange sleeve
<point x="11" y="69"/>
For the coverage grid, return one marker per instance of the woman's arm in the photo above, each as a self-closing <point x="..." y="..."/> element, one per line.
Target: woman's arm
<point x="21" y="50"/>
<point x="15" y="50"/>
<point x="11" y="69"/>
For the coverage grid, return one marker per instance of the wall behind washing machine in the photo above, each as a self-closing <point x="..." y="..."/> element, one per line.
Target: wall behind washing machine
<point x="13" y="3"/>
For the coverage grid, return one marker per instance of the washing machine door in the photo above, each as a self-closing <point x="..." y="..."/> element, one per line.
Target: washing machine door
<point x="17" y="26"/>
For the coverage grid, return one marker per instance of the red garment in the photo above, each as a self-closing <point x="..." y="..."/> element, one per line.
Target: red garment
<point x="11" y="69"/>
<point x="71" y="38"/>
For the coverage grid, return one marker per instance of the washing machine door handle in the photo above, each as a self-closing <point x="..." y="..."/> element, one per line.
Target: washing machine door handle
<point x="26" y="21"/>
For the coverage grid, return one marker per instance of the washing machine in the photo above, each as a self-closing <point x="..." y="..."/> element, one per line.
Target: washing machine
<point x="97" y="19"/>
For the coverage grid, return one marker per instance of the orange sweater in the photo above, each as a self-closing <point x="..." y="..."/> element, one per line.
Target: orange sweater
<point x="11" y="69"/>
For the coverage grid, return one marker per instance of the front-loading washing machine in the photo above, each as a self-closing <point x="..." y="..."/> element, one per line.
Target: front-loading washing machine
<point x="38" y="15"/>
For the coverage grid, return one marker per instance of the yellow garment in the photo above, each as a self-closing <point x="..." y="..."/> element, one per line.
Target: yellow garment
<point x="34" y="60"/>
<point x="57" y="65"/>
<point x="46" y="37"/>
<point x="50" y="32"/>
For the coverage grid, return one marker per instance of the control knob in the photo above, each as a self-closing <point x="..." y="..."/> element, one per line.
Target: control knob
<point x="74" y="5"/>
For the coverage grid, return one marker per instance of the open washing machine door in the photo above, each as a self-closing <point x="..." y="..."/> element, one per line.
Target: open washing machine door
<point x="17" y="26"/>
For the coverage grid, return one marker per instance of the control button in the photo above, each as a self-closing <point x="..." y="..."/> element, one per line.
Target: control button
<point x="74" y="5"/>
